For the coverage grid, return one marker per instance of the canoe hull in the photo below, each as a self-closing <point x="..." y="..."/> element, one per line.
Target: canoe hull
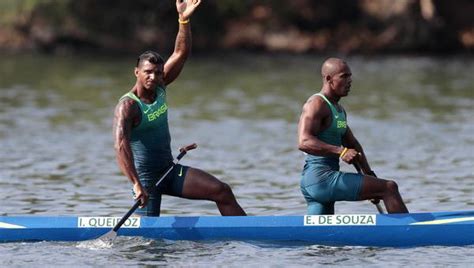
<point x="394" y="230"/>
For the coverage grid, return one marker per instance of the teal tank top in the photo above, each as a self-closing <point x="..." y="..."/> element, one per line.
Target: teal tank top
<point x="332" y="135"/>
<point x="150" y="140"/>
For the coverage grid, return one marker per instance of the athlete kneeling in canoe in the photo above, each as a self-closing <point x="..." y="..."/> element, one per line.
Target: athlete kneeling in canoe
<point x="323" y="133"/>
<point x="142" y="138"/>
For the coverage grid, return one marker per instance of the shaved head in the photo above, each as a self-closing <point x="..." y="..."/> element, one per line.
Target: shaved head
<point x="332" y="66"/>
<point x="337" y="77"/>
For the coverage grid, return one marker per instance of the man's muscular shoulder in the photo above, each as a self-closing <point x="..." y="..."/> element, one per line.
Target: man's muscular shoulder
<point x="127" y="109"/>
<point x="317" y="106"/>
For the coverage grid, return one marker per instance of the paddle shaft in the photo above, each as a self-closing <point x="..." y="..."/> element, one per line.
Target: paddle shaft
<point x="137" y="203"/>
<point x="374" y="201"/>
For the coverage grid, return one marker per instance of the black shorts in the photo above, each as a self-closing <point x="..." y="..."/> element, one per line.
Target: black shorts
<point x="171" y="185"/>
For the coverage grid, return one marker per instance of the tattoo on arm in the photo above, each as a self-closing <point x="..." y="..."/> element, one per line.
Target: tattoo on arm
<point x="183" y="40"/>
<point x="126" y="114"/>
<point x="182" y="48"/>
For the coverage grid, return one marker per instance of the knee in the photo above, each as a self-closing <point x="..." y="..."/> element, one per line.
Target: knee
<point x="391" y="187"/>
<point x="222" y="191"/>
<point x="224" y="188"/>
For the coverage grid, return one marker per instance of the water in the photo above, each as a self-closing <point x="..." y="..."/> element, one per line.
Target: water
<point x="138" y="253"/>
<point x="413" y="115"/>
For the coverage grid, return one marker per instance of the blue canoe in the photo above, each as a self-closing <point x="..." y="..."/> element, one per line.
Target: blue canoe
<point x="387" y="230"/>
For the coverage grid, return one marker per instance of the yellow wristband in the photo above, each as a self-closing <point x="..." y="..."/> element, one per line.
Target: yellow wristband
<point x="183" y="21"/>
<point x="344" y="151"/>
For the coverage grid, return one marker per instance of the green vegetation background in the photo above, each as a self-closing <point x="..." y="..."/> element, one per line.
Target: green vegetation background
<point x="299" y="26"/>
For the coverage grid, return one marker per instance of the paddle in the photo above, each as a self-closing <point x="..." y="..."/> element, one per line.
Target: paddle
<point x="109" y="237"/>
<point x="376" y="202"/>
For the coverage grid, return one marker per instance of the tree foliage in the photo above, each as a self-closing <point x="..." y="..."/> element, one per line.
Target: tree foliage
<point x="297" y="25"/>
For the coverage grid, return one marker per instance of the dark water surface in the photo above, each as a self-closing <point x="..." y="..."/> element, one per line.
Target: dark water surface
<point x="413" y="115"/>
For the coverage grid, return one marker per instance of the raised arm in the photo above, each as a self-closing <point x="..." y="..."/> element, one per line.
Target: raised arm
<point x="310" y="124"/>
<point x="182" y="48"/>
<point x="126" y="113"/>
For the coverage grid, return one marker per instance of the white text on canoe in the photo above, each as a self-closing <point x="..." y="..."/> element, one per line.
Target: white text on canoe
<point x="106" y="222"/>
<point x="352" y="219"/>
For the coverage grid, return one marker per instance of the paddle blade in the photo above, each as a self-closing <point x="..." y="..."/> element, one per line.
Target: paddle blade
<point x="103" y="242"/>
<point x="108" y="238"/>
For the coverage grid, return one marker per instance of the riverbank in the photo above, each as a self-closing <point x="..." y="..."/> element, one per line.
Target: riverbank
<point x="345" y="26"/>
